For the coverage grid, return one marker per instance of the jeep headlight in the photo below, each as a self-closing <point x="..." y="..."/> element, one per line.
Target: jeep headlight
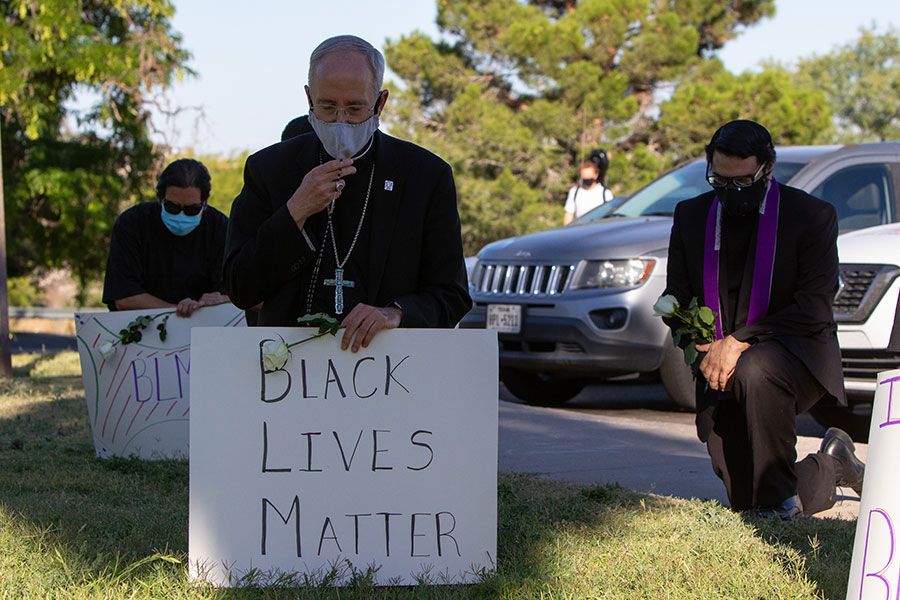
<point x="613" y="273"/>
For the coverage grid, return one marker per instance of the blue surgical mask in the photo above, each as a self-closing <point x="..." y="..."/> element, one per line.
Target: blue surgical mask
<point x="180" y="224"/>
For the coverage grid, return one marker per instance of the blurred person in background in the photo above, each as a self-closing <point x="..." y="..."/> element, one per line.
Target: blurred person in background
<point x="591" y="190"/>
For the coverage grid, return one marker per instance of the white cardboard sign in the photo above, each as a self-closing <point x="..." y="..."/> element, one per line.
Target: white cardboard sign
<point x="875" y="568"/>
<point x="138" y="401"/>
<point x="386" y="458"/>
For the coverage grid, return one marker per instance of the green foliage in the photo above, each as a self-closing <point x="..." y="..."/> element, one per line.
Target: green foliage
<point x="518" y="92"/>
<point x="631" y="169"/>
<point x="22" y="292"/>
<point x="861" y="81"/>
<point x="500" y="207"/>
<point x="227" y="174"/>
<point x="710" y="96"/>
<point x="64" y="188"/>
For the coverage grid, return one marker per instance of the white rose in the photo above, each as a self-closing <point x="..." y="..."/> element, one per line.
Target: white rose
<point x="107" y="350"/>
<point x="275" y="355"/>
<point x="665" y="306"/>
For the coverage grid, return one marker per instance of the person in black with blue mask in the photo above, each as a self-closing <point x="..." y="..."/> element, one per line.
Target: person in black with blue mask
<point x="169" y="253"/>
<point x="763" y="257"/>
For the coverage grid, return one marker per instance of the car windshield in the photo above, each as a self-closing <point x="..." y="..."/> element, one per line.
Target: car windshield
<point x="601" y="211"/>
<point x="661" y="195"/>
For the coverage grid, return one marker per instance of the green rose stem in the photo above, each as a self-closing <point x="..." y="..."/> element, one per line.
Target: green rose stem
<point x="312" y="337"/>
<point x="698" y="323"/>
<point x="133" y="333"/>
<point x="275" y="354"/>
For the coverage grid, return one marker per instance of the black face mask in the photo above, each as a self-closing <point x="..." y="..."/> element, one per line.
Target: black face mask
<point x="586" y="183"/>
<point x="741" y="202"/>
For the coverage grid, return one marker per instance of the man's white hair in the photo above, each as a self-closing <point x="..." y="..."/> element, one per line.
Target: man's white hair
<point x="356" y="44"/>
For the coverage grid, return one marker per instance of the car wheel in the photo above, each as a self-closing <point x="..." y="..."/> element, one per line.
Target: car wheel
<point x="677" y="379"/>
<point x="540" y="389"/>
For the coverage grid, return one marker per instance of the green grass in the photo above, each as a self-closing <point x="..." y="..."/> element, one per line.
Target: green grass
<point x="73" y="526"/>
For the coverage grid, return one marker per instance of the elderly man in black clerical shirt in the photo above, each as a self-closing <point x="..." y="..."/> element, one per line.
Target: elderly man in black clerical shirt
<point x="763" y="257"/>
<point x="346" y="220"/>
<point x="169" y="253"/>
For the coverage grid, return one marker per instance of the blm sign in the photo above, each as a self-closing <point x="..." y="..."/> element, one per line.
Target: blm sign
<point x="138" y="396"/>
<point x="382" y="461"/>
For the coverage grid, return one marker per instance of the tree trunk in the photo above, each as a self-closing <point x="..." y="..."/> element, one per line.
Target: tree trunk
<point x="5" y="359"/>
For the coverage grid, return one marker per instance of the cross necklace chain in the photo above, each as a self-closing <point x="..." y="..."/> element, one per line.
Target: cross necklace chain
<point x="339" y="282"/>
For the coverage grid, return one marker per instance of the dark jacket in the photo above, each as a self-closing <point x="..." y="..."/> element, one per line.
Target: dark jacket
<point x="415" y="255"/>
<point x="146" y="258"/>
<point x="804" y="282"/>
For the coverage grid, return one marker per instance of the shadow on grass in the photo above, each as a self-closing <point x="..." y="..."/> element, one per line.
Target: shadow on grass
<point x="655" y="546"/>
<point x="128" y="519"/>
<point x="50" y="475"/>
<point x="826" y="545"/>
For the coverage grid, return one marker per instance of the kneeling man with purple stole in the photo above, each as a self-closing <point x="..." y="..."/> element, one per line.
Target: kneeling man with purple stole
<point x="763" y="257"/>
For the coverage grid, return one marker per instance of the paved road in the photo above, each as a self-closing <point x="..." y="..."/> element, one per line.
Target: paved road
<point x="28" y="343"/>
<point x="626" y="433"/>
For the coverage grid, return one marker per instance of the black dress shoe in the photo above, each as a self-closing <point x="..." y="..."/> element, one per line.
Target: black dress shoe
<point x="789" y="509"/>
<point x="850" y="470"/>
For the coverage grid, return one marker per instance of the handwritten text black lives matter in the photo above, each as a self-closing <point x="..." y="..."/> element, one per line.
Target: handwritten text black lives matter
<point x="418" y="534"/>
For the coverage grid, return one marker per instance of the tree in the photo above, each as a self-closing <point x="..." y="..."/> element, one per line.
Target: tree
<point x="67" y="173"/>
<point x="517" y="92"/>
<point x="861" y="82"/>
<point x="710" y="96"/>
<point x="227" y="174"/>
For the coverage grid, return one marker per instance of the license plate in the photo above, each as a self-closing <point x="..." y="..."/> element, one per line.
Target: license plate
<point x="505" y="318"/>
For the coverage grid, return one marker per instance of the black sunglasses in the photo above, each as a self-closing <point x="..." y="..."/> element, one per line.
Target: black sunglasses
<point x="739" y="182"/>
<point x="190" y="210"/>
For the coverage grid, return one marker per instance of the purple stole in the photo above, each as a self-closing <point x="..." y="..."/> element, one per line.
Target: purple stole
<point x="763" y="264"/>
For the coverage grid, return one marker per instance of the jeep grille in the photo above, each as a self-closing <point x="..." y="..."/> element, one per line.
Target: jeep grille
<point x="862" y="287"/>
<point x="521" y="280"/>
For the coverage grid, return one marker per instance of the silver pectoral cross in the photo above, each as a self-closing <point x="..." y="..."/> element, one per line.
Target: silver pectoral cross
<point x="339" y="283"/>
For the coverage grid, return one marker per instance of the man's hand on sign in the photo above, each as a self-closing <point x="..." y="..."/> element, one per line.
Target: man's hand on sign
<point x="720" y="360"/>
<point x="364" y="322"/>
<point x="186" y="307"/>
<point x="213" y="298"/>
<point x="319" y="188"/>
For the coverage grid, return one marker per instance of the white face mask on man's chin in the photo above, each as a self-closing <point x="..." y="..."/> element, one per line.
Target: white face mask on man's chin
<point x="344" y="140"/>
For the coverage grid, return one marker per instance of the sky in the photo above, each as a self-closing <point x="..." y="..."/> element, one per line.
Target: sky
<point x="251" y="58"/>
